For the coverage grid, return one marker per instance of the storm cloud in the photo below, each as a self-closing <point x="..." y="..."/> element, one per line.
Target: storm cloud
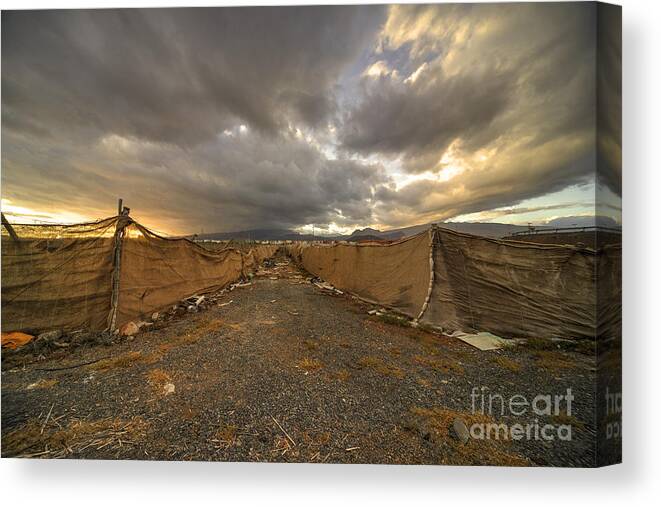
<point x="231" y="118"/>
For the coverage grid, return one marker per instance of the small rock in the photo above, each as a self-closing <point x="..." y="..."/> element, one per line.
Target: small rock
<point x="460" y="430"/>
<point x="50" y="335"/>
<point x="129" y="329"/>
<point x="154" y="316"/>
<point x="168" y="388"/>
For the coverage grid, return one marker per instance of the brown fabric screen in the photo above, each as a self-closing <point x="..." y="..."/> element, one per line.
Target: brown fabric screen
<point x="395" y="275"/>
<point x="609" y="293"/>
<point x="57" y="277"/>
<point x="157" y="272"/>
<point x="512" y="289"/>
<point x="61" y="277"/>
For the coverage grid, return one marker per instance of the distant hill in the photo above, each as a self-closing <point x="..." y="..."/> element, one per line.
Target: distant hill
<point x="584" y="221"/>
<point x="491" y="230"/>
<point x="258" y="234"/>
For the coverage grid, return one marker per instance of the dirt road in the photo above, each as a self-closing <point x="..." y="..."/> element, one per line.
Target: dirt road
<point x="288" y="372"/>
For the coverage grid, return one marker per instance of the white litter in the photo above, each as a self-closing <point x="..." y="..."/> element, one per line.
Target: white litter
<point x="483" y="340"/>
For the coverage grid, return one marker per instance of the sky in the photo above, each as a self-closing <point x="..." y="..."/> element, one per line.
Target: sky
<point x="227" y="119"/>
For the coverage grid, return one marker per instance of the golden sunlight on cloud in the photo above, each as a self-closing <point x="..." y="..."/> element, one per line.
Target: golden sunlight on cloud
<point x="26" y="215"/>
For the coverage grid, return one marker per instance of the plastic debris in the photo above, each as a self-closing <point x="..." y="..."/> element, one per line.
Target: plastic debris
<point x="15" y="339"/>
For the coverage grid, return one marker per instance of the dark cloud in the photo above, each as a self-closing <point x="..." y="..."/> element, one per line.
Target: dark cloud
<point x="247" y="117"/>
<point x="237" y="181"/>
<point x="609" y="98"/>
<point x="178" y="76"/>
<point x="504" y="97"/>
<point x="423" y="119"/>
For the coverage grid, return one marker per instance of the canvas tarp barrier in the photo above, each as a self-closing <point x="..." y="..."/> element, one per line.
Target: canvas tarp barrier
<point x="509" y="288"/>
<point x="512" y="289"/>
<point x="57" y="276"/>
<point x="394" y="275"/>
<point x="609" y="293"/>
<point x="156" y="272"/>
<point x="62" y="277"/>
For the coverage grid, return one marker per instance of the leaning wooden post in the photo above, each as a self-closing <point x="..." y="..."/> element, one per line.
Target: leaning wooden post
<point x="432" y="241"/>
<point x="9" y="228"/>
<point x="123" y="220"/>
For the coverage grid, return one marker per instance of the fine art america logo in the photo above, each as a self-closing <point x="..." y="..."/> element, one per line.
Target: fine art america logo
<point x="492" y="405"/>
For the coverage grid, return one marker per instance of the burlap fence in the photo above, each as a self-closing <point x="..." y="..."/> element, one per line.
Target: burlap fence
<point x="103" y="274"/>
<point x="461" y="282"/>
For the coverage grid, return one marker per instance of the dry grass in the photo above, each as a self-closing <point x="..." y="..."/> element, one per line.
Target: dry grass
<point x="395" y="351"/>
<point x="158" y="379"/>
<point x="309" y="364"/>
<point x="553" y="360"/>
<point x="343" y="375"/>
<point x="586" y="347"/>
<point x="379" y="365"/>
<point x="42" y="384"/>
<point x="164" y="348"/>
<point x="507" y="363"/>
<point x="539" y="344"/>
<point x="127" y="360"/>
<point x="198" y="332"/>
<point x="310" y="344"/>
<point x="226" y="436"/>
<point x="394" y="320"/>
<point x="447" y="365"/>
<point x="434" y="424"/>
<point x="49" y="439"/>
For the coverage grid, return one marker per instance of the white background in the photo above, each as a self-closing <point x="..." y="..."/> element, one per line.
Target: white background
<point x="635" y="482"/>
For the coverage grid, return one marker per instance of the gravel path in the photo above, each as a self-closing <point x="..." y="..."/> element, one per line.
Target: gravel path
<point x="289" y="372"/>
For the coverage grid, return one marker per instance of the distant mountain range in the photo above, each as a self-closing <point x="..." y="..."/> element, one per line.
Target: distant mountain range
<point x="491" y="230"/>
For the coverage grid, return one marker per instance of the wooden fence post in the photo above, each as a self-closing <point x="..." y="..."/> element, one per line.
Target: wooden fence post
<point x="9" y="228"/>
<point x="122" y="222"/>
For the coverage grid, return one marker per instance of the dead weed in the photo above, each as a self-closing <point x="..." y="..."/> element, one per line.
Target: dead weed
<point x="433" y="424"/>
<point x="382" y="367"/>
<point x="50" y="440"/>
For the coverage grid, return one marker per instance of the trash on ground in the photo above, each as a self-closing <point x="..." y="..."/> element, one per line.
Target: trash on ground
<point x="15" y="339"/>
<point x="482" y="341"/>
<point x="50" y="335"/>
<point x="42" y="384"/>
<point x="325" y="286"/>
